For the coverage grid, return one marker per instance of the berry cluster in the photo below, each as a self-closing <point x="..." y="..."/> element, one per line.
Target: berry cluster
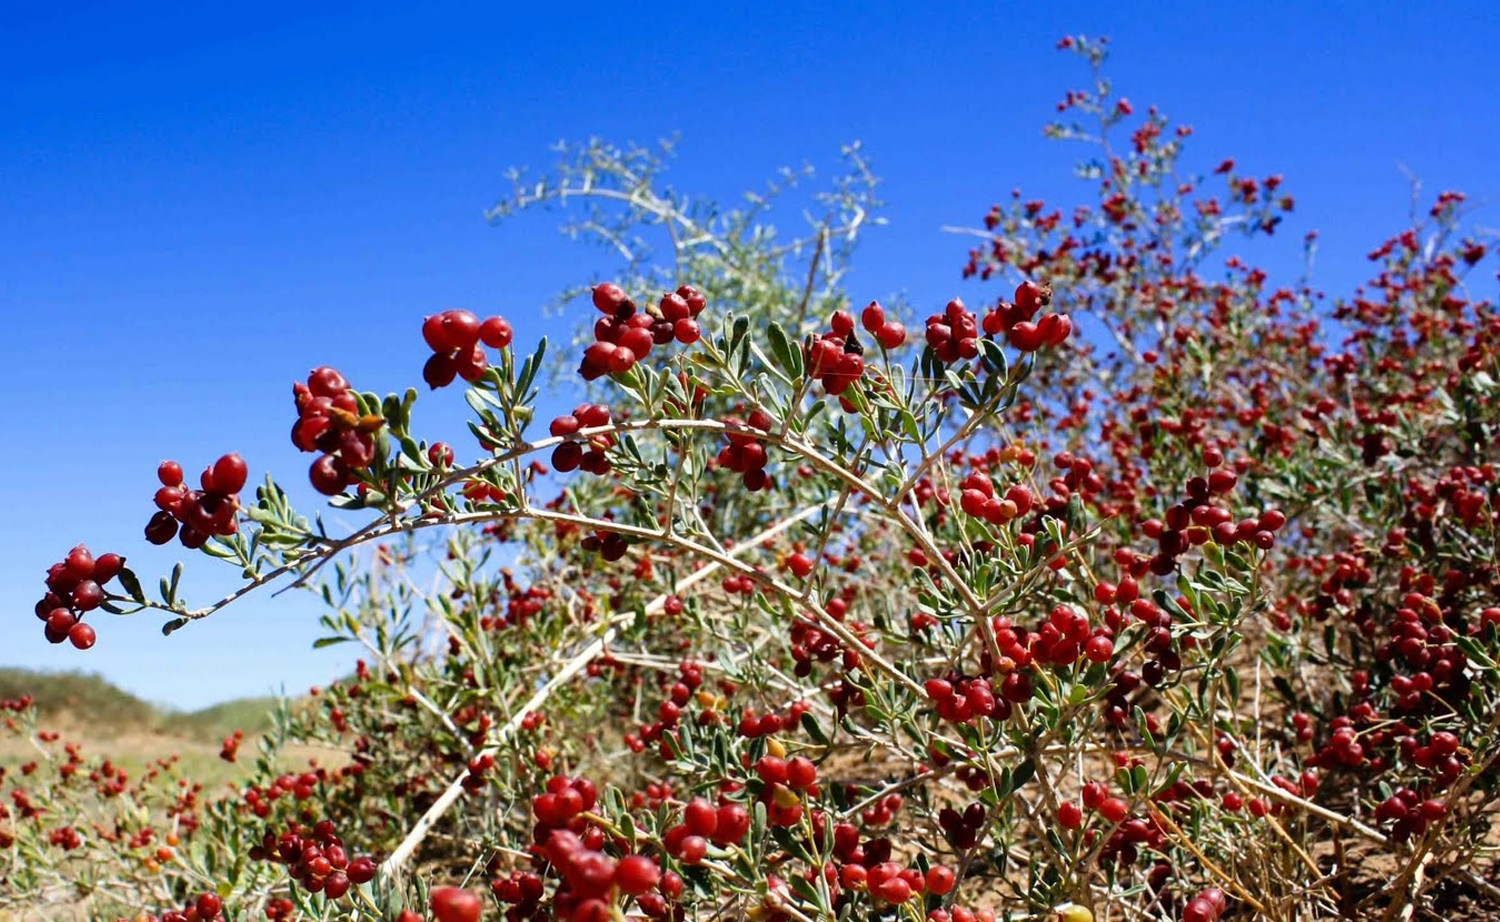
<point x="962" y="829"/>
<point x="194" y="516"/>
<point x="783" y="784"/>
<point x="328" y="421"/>
<point x="623" y="336"/>
<point x="890" y="334"/>
<point x="206" y="908"/>
<point x="892" y="883"/>
<point x="979" y="500"/>
<point x="702" y="823"/>
<point x="953" y="334"/>
<point x="836" y="359"/>
<point x="316" y="859"/>
<point x="571" y="455"/>
<point x="745" y="454"/>
<point x="455" y="338"/>
<point x="961" y="700"/>
<point x="75" y="585"/>
<point x="1409" y="812"/>
<point x="1016" y="322"/>
<point x="1207" y="906"/>
<point x="592" y="879"/>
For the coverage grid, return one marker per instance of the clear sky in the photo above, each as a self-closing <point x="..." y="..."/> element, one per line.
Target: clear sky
<point x="199" y="202"/>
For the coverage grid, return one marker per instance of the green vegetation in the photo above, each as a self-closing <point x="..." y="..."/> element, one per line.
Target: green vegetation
<point x="89" y="701"/>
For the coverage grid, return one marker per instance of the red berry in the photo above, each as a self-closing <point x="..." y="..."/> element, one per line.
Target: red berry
<point x="361" y="870"/>
<point x="687" y="331"/>
<point x="454" y="904"/>
<point x="801" y="773"/>
<point x="674" y="307"/>
<point x="328" y="475"/>
<point x="439" y="371"/>
<point x="1199" y="910"/>
<point x="495" y="332"/>
<point x="940" y="880"/>
<point x="461" y="328"/>
<point x="1114" y="809"/>
<point x="230" y="473"/>
<point x="79" y="564"/>
<point x="208" y="906"/>
<point x="872" y="318"/>
<point x="324" y="381"/>
<point x="636" y="874"/>
<point x="107" y="567"/>
<point x="81" y="635"/>
<point x="470" y="362"/>
<point x="891" y="335"/>
<point x="436" y="336"/>
<point x="610" y="299"/>
<point x="169" y="473"/>
<point x="87" y="595"/>
<point x="161" y="529"/>
<point x="1030" y="297"/>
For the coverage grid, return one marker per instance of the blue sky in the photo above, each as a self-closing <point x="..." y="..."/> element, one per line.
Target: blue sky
<point x="200" y="202"/>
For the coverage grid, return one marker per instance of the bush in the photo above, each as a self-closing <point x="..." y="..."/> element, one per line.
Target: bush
<point x="1146" y="590"/>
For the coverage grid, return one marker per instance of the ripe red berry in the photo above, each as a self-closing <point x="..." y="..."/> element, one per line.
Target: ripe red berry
<point x="161" y="528"/>
<point x="454" y="904"/>
<point x="636" y="874"/>
<point x="169" y="473"/>
<point x="1069" y="815"/>
<point x="328" y="475"/>
<point x="687" y="331"/>
<point x="461" y="328"/>
<point x="439" y="371"/>
<point x="361" y="870"/>
<point x="496" y="332"/>
<point x="107" y="567"/>
<point x="801" y="773"/>
<point x="1199" y="910"/>
<point x="1114" y="809"/>
<point x="208" y="906"/>
<point x="79" y="564"/>
<point x="436" y="336"/>
<point x="800" y="565"/>
<point x="81" y="635"/>
<point x="1030" y="297"/>
<point x="674" y="307"/>
<point x="940" y="879"/>
<point x="230" y="473"/>
<point x="891" y="335"/>
<point x="610" y="299"/>
<point x="87" y="595"/>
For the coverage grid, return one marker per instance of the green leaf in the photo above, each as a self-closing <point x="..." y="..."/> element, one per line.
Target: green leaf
<point x="132" y="584"/>
<point x="788" y="357"/>
<point x="322" y="642"/>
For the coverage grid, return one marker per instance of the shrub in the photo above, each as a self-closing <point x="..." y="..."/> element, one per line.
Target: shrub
<point x="1145" y="589"/>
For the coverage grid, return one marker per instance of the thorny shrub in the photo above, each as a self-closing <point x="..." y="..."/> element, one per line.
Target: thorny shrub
<point x="1142" y="588"/>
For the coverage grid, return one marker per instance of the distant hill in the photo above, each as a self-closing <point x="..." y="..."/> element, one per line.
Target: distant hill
<point x="92" y="702"/>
